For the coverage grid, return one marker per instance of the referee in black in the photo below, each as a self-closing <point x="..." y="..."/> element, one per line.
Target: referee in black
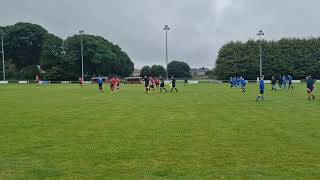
<point x="173" y="83"/>
<point x="162" y="85"/>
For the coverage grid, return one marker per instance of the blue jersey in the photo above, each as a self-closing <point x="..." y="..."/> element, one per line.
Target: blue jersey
<point x="100" y="81"/>
<point x="243" y="82"/>
<point x="261" y="85"/>
<point x="284" y="80"/>
<point x="310" y="83"/>
<point x="290" y="79"/>
<point x="234" y="81"/>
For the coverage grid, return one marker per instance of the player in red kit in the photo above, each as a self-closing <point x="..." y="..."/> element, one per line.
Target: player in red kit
<point x="117" y="83"/>
<point x="152" y="84"/>
<point x="81" y="82"/>
<point x="157" y="81"/>
<point x="113" y="84"/>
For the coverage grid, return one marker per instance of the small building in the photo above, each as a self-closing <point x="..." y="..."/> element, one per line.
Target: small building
<point x="199" y="72"/>
<point x="202" y="71"/>
<point x="134" y="80"/>
<point x="136" y="72"/>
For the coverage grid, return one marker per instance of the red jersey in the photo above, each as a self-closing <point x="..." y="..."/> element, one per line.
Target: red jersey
<point x="113" y="81"/>
<point x="151" y="81"/>
<point x="157" y="81"/>
<point x="118" y="81"/>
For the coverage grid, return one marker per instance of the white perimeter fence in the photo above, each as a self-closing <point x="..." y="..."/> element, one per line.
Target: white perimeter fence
<point x="166" y="82"/>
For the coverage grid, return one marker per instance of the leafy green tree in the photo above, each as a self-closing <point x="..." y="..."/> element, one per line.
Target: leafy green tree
<point x="179" y="69"/>
<point x="23" y="42"/>
<point x="29" y="72"/>
<point x="28" y="45"/>
<point x="293" y="56"/>
<point x="52" y="58"/>
<point x="157" y="71"/>
<point x="101" y="57"/>
<point x="145" y="71"/>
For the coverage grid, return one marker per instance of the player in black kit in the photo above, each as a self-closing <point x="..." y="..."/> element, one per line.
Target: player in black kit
<point x="173" y="83"/>
<point x="162" y="85"/>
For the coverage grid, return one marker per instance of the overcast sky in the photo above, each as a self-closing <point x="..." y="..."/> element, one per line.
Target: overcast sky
<point x="198" y="27"/>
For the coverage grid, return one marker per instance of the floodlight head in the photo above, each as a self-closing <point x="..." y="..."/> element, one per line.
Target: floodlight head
<point x="260" y="33"/>
<point x="81" y="31"/>
<point x="166" y="27"/>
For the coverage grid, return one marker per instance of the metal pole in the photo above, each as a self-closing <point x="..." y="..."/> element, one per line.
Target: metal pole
<point x="260" y="56"/>
<point x="3" y="68"/>
<point x="167" y="53"/>
<point x="82" y="76"/>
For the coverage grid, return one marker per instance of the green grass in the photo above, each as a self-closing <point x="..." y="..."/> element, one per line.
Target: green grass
<point x="203" y="132"/>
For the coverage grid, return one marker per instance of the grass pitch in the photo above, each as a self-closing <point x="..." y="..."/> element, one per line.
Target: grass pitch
<point x="203" y="132"/>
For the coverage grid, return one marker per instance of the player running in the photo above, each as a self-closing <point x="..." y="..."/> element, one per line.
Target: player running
<point x="186" y="82"/>
<point x="113" y="84"/>
<point x="173" y="83"/>
<point x="290" y="82"/>
<point x="234" y="82"/>
<point x="117" y="83"/>
<point x="151" y="86"/>
<point x="261" y="87"/>
<point x="280" y="82"/>
<point x="37" y="80"/>
<point x="273" y="83"/>
<point x="238" y="82"/>
<point x="243" y="84"/>
<point x="285" y="81"/>
<point x="100" y="83"/>
<point x="310" y="87"/>
<point x="157" y="81"/>
<point x="81" y="82"/>
<point x="146" y="84"/>
<point x="162" y="85"/>
<point x="231" y="82"/>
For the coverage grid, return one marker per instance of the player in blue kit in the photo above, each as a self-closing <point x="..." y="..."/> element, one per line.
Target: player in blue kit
<point x="100" y="83"/>
<point x="238" y="81"/>
<point x="290" y="82"/>
<point x="234" y="82"/>
<point x="310" y="87"/>
<point x="261" y="87"/>
<point x="231" y="82"/>
<point x="243" y="84"/>
<point x="280" y="82"/>
<point x="285" y="81"/>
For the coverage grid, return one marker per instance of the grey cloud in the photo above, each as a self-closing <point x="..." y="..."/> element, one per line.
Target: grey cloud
<point x="198" y="28"/>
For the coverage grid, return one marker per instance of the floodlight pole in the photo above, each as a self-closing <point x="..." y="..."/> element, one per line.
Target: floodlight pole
<point x="166" y="28"/>
<point x="2" y="52"/>
<point x="81" y="33"/>
<point x="260" y="34"/>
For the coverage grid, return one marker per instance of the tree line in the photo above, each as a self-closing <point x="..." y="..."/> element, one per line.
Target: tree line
<point x="288" y="56"/>
<point x="30" y="49"/>
<point x="176" y="69"/>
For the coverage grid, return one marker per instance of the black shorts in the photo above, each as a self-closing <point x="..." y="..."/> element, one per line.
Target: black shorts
<point x="290" y="83"/>
<point x="37" y="82"/>
<point x="309" y="90"/>
<point x="112" y="86"/>
<point x="152" y="86"/>
<point x="261" y="91"/>
<point x="146" y="85"/>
